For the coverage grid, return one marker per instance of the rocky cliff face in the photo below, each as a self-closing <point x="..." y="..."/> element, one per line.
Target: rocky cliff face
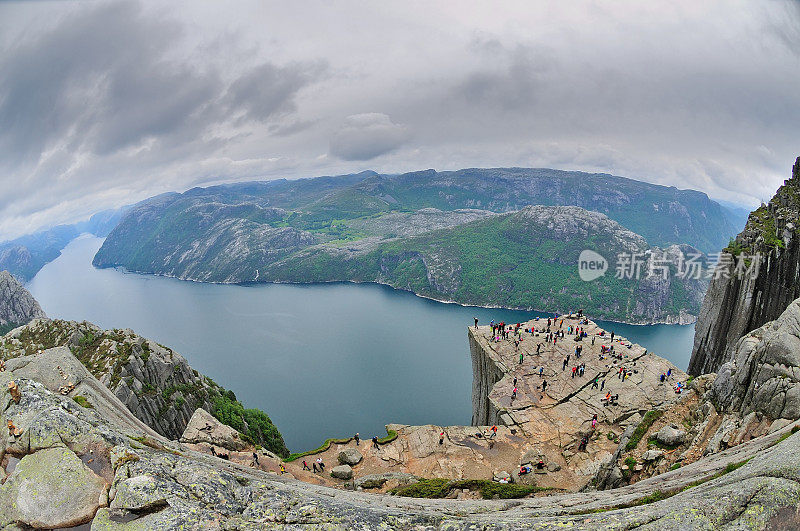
<point x="153" y="381"/>
<point x="17" y="305"/>
<point x="764" y="375"/>
<point x="737" y="304"/>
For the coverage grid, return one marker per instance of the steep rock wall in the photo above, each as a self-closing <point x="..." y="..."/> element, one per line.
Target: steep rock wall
<point x="738" y="304"/>
<point x="17" y="305"/>
<point x="485" y="373"/>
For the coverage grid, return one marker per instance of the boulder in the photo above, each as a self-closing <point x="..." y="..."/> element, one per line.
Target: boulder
<point x="349" y="456"/>
<point x="51" y="488"/>
<point x="652" y="455"/>
<point x="553" y="467"/>
<point x="342" y="472"/>
<point x="531" y="456"/>
<point x="670" y="435"/>
<point x="139" y="493"/>
<point x="374" y="481"/>
<point x="204" y="428"/>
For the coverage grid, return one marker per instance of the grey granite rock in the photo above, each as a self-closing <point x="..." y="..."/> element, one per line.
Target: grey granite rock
<point x="349" y="456"/>
<point x="342" y="472"/>
<point x="764" y="375"/>
<point x="17" y="305"/>
<point x="737" y="304"/>
<point x="670" y="435"/>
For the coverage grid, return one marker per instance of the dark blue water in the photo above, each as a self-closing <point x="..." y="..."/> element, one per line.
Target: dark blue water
<point x="322" y="360"/>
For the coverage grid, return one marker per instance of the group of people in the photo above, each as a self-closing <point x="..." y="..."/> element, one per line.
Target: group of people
<point x="319" y="466"/>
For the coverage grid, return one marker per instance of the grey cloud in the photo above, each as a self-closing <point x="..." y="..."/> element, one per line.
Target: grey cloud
<point x="366" y="136"/>
<point x="106" y="79"/>
<point x="106" y="103"/>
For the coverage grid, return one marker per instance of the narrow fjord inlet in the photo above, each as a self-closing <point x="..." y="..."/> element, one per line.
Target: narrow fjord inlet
<point x="340" y="354"/>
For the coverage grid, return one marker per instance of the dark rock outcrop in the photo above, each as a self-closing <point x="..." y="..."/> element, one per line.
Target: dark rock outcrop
<point x="764" y="375"/>
<point x="17" y="305"/>
<point x="736" y="304"/>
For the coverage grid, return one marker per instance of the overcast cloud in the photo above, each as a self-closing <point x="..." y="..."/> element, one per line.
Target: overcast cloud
<point x="104" y="104"/>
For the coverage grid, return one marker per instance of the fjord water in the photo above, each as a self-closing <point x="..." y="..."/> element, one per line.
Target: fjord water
<point x="322" y="360"/>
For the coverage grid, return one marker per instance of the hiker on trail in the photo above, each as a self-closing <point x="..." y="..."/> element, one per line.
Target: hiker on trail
<point x="662" y="377"/>
<point x="357" y="438"/>
<point x="592" y="340"/>
<point x="538" y="348"/>
<point x="669" y="373"/>
<point x="494" y="432"/>
<point x="375" y="443"/>
<point x="521" y="357"/>
<point x="515" y="381"/>
<point x="596" y="382"/>
<point x="514" y="393"/>
<point x="441" y="438"/>
<point x="541" y="371"/>
<point x="476" y="322"/>
<point x="582" y="445"/>
<point x="283" y="469"/>
<point x="314" y="464"/>
<point x="544" y="386"/>
<point x="574" y="370"/>
<point x="564" y="365"/>
<point x="305" y="465"/>
<point x="321" y="464"/>
<point x="594" y="421"/>
<point x="603" y="384"/>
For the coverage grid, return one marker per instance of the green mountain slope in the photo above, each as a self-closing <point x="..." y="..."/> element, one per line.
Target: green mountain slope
<point x="527" y="259"/>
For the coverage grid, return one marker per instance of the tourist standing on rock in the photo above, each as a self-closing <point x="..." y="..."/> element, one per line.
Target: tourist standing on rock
<point x="476" y="323"/>
<point x="612" y="336"/>
<point x="541" y="371"/>
<point x="544" y="386"/>
<point x="375" y="443"/>
<point x="514" y="393"/>
<point x="255" y="459"/>
<point x="441" y="438"/>
<point x="521" y="357"/>
<point x="357" y="438"/>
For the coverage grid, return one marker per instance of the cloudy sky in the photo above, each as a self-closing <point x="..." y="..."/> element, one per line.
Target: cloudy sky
<point x="104" y="104"/>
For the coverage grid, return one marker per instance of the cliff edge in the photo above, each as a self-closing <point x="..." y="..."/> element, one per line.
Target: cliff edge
<point x="767" y="282"/>
<point x="17" y="305"/>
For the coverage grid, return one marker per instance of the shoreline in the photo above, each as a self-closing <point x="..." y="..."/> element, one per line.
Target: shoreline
<point x="125" y="270"/>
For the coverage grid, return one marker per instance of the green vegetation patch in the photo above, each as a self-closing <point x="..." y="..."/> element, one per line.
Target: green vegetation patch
<point x="253" y="423"/>
<point x="647" y="421"/>
<point x="82" y="401"/>
<point x="391" y="436"/>
<point x="785" y="436"/>
<point x="441" y="488"/>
